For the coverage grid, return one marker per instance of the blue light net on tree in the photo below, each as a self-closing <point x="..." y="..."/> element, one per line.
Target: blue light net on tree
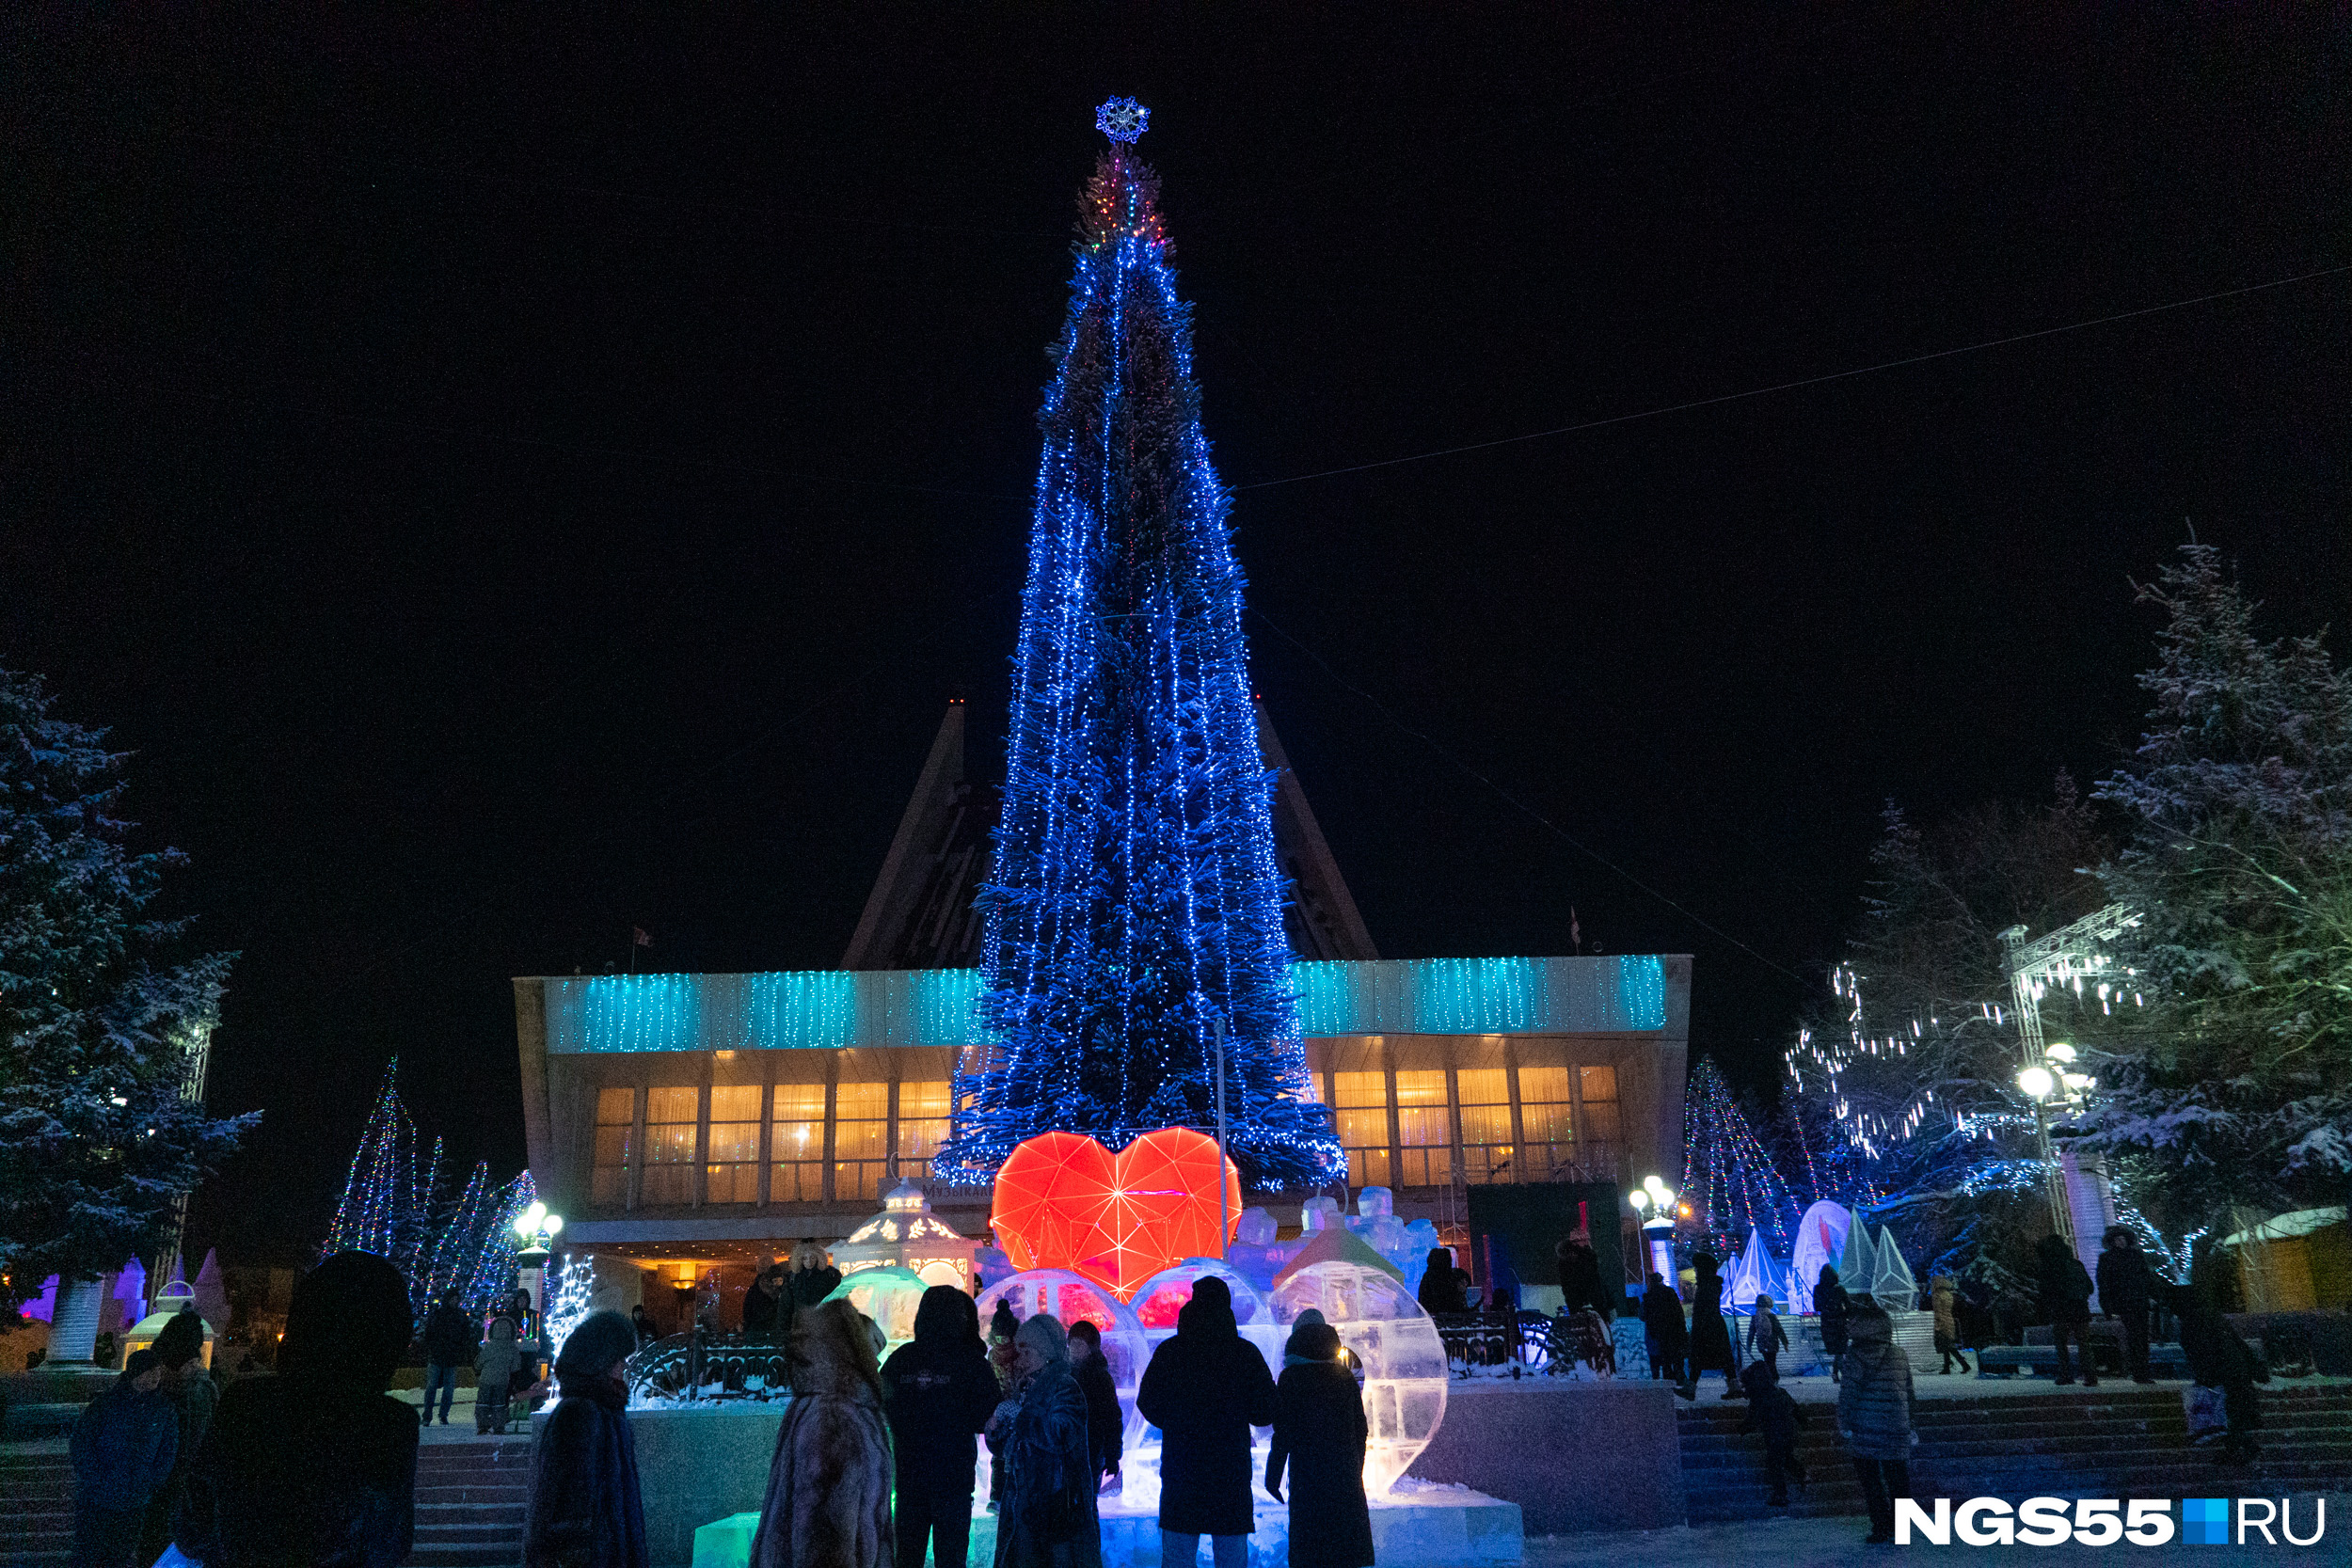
<point x="1136" y="895"/>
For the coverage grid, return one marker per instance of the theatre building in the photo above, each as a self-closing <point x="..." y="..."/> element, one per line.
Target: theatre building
<point x="692" y="1123"/>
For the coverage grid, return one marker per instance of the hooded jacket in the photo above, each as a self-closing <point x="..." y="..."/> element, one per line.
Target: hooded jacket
<point x="316" y="1464"/>
<point x="1874" y="1388"/>
<point x="586" y="1510"/>
<point x="1829" y="1300"/>
<point x="1320" y="1433"/>
<point x="2064" y="1283"/>
<point x="828" y="1503"/>
<point x="1205" y="1389"/>
<point x="938" y="1390"/>
<point x="1662" y="1320"/>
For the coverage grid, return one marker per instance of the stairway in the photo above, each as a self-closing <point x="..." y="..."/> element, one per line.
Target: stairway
<point x="469" y="1505"/>
<point x="35" y="1506"/>
<point x="2114" y="1441"/>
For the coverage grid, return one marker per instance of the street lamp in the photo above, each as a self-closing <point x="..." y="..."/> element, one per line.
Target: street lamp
<point x="537" y="1229"/>
<point x="1656" y="1200"/>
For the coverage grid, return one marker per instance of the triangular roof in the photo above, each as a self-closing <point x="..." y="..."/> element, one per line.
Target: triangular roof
<point x="1337" y="1244"/>
<point x="920" y="915"/>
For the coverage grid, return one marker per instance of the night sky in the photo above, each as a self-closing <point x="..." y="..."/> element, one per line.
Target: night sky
<point x="516" y="479"/>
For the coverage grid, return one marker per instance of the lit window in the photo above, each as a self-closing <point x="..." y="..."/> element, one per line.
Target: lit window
<point x="1547" y="1113"/>
<point x="796" y="1145"/>
<point x="1424" y="1129"/>
<point x="671" y="1115"/>
<point x="616" y="1121"/>
<point x="860" y="1139"/>
<point x="1598" y="1085"/>
<point x="1487" y="1151"/>
<point x="1360" y="1106"/>
<point x="732" y="1172"/>
<point x="922" y="1126"/>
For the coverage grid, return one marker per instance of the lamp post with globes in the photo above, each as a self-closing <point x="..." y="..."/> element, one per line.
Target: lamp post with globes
<point x="537" y="1228"/>
<point x="1653" y="1203"/>
<point x="2052" y="1082"/>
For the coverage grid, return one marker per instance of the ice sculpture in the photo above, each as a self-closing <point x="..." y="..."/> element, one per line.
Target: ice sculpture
<point x="888" y="1296"/>
<point x="1751" y="1276"/>
<point x="1821" y="1240"/>
<point x="1256" y="1254"/>
<point x="1396" y="1348"/>
<point x="1071" y="1297"/>
<point x="1855" y="1263"/>
<point x="1318" y="1213"/>
<point x="1158" y="1299"/>
<point x="1891" y="1284"/>
<point x="1420" y="1237"/>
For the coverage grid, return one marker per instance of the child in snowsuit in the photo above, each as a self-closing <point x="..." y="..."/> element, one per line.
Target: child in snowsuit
<point x="1771" y="1412"/>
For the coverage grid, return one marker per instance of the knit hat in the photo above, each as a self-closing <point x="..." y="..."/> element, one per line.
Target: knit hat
<point x="1316" y="1342"/>
<point x="591" y="1349"/>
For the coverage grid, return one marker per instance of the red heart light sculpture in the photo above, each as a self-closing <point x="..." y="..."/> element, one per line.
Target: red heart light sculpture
<point x="1063" y="1201"/>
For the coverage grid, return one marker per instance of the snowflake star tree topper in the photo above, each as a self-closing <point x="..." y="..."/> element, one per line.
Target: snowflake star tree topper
<point x="1122" y="120"/>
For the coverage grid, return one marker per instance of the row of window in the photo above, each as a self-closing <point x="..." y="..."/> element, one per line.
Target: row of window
<point x="866" y="1141"/>
<point x="1551" y="1138"/>
<point x="1518" y="1124"/>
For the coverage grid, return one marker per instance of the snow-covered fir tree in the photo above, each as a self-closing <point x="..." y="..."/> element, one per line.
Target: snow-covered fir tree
<point x="102" y="1012"/>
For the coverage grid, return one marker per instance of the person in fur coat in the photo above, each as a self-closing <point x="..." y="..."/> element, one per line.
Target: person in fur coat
<point x="1047" y="1517"/>
<point x="827" y="1502"/>
<point x="586" y="1508"/>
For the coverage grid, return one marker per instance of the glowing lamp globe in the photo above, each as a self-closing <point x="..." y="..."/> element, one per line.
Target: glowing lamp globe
<point x="1639" y="1199"/>
<point x="907" y="1235"/>
<point x="527" y="1223"/>
<point x="889" y="1297"/>
<point x="1395" y="1344"/>
<point x="1072" y="1298"/>
<point x="2036" y="1081"/>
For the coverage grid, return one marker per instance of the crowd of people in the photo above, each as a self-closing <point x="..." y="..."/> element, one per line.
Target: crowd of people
<point x="875" y="1465"/>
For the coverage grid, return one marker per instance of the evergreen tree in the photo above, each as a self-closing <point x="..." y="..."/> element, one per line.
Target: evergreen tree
<point x="1135" y="896"/>
<point x="101" y="1025"/>
<point x="1729" y="1179"/>
<point x="2240" y="865"/>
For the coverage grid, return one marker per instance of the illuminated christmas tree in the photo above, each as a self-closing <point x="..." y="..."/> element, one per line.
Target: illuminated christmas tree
<point x="1136" y="899"/>
<point x="386" y="1196"/>
<point x="1729" y="1176"/>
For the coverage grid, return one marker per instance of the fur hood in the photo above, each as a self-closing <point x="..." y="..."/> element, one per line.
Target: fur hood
<point x="831" y="1354"/>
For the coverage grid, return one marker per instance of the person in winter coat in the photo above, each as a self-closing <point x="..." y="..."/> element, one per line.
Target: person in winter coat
<point x="1048" y="1518"/>
<point x="2065" y="1287"/>
<point x="1579" y="1276"/>
<point x="828" y="1503"/>
<point x="1667" y="1335"/>
<point x="123" y="1446"/>
<point x="813" y="1276"/>
<point x="2127" y="1288"/>
<point x="1443" y="1288"/>
<point x="494" y="1369"/>
<point x="188" y="1388"/>
<point x="315" y="1463"/>
<point x="1002" y="1326"/>
<point x="1107" y="1426"/>
<point x="1205" y="1389"/>
<point x="1945" y="1298"/>
<point x="1320" y="1433"/>
<point x="1830" y="1301"/>
<point x="1771" y="1412"/>
<point x="937" y="1391"/>
<point x="647" y="1333"/>
<point x="449" y="1344"/>
<point x="2217" y="1358"/>
<point x="1766" y="1338"/>
<point x="759" y="1309"/>
<point x="1874" y="1414"/>
<point x="586" y="1508"/>
<point x="1710" y="1337"/>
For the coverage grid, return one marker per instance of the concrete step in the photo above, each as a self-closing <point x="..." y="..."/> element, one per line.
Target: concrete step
<point x="516" y="1492"/>
<point x="467" y="1555"/>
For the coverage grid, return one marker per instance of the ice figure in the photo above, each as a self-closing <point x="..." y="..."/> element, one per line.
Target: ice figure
<point x="888" y="1296"/>
<point x="1158" y="1299"/>
<point x="1255" y="1252"/>
<point x="1394" y="1344"/>
<point x="1071" y="1297"/>
<point x="1892" y="1285"/>
<point x="1420" y="1237"/>
<point x="1855" y="1263"/>
<point x="1821" y="1240"/>
<point x="1751" y="1276"/>
<point x="1318" y="1213"/>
